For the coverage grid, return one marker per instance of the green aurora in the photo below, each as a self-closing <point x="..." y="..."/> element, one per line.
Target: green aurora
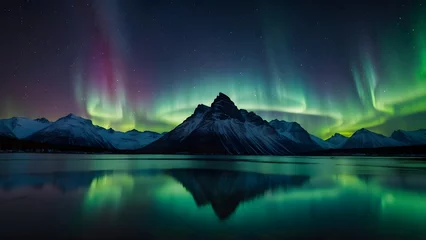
<point x="389" y="84"/>
<point x="327" y="71"/>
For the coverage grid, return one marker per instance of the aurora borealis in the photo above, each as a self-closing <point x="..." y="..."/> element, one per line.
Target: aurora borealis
<point x="332" y="67"/>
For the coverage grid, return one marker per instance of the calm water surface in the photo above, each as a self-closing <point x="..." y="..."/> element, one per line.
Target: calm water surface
<point x="202" y="197"/>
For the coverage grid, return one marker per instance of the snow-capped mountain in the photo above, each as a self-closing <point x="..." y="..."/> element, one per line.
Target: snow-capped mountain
<point x="367" y="139"/>
<point x="128" y="140"/>
<point x="296" y="133"/>
<point x="223" y="129"/>
<point x="71" y="130"/>
<point x="75" y="131"/>
<point x="417" y="137"/>
<point x="337" y="140"/>
<point x="20" y="127"/>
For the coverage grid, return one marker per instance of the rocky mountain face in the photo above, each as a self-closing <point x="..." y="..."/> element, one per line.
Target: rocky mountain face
<point x="223" y="129"/>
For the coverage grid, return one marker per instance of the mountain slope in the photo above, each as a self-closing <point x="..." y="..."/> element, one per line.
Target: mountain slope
<point x="323" y="144"/>
<point x="417" y="137"/>
<point x="295" y="133"/>
<point x="291" y="130"/>
<point x="71" y="130"/>
<point x="5" y="130"/>
<point x="130" y="140"/>
<point x="20" y="127"/>
<point x="337" y="140"/>
<point x="222" y="129"/>
<point x="367" y="139"/>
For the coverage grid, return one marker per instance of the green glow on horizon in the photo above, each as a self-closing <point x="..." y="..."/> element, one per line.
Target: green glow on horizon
<point x="388" y="84"/>
<point x="105" y="110"/>
<point x="381" y="93"/>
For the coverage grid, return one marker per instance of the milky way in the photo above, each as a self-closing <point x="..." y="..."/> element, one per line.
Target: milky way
<point x="134" y="64"/>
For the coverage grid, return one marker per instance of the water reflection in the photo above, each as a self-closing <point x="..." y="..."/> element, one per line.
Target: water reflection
<point x="63" y="182"/>
<point x="217" y="201"/>
<point x="108" y="191"/>
<point x="225" y="190"/>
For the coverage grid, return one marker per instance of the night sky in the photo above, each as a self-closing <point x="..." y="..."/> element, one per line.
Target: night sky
<point x="332" y="66"/>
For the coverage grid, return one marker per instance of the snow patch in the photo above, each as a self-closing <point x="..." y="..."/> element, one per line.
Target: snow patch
<point x="21" y="127"/>
<point x="366" y="139"/>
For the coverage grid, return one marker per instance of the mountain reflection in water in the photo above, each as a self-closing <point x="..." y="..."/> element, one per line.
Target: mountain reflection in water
<point x="225" y="190"/>
<point x="163" y="202"/>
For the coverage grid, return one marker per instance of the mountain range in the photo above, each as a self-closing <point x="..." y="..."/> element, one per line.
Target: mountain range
<point x="72" y="130"/>
<point x="220" y="128"/>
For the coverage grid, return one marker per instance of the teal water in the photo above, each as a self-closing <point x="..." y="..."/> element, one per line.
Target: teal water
<point x="211" y="197"/>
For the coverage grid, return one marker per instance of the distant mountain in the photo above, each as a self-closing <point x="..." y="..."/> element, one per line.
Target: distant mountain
<point x="130" y="140"/>
<point x="323" y="144"/>
<point x="223" y="129"/>
<point x="220" y="128"/>
<point x="417" y="137"/>
<point x="367" y="139"/>
<point x="71" y="130"/>
<point x="5" y="130"/>
<point x="337" y="140"/>
<point x="225" y="190"/>
<point x="20" y="127"/>
<point x="296" y="133"/>
<point x="42" y="120"/>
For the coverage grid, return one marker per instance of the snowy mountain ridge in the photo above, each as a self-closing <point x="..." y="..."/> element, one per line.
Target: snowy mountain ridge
<point x="129" y="140"/>
<point x="71" y="130"/>
<point x="223" y="129"/>
<point x="296" y="133"/>
<point x="220" y="128"/>
<point x="77" y="131"/>
<point x="417" y="137"/>
<point x="364" y="138"/>
<point x="21" y="127"/>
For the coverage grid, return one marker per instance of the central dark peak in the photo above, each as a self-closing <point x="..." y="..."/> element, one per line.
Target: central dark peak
<point x="223" y="107"/>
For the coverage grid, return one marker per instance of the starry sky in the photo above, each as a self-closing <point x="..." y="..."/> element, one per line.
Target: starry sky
<point x="332" y="66"/>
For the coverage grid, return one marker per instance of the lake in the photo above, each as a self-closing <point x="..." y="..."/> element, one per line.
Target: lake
<point x="211" y="197"/>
